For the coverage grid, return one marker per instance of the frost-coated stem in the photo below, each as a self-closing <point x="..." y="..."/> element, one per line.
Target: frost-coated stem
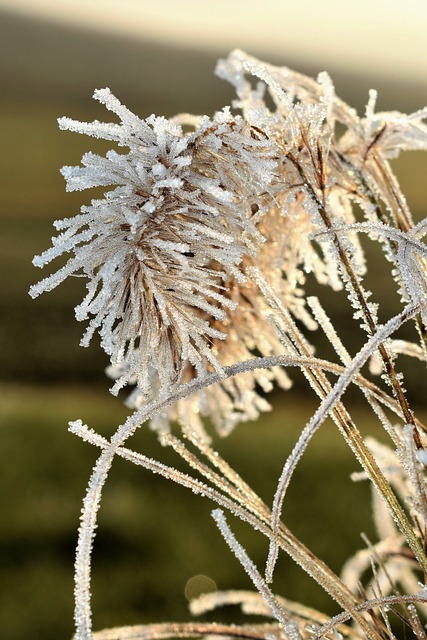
<point x="394" y="380"/>
<point x="339" y="414"/>
<point x="86" y="534"/>
<point x="354" y="280"/>
<point x="396" y="201"/>
<point x="368" y="462"/>
<point x="163" y="631"/>
<point x="367" y="606"/>
<point x="277" y="610"/>
<point x="101" y="469"/>
<point x="312" y="565"/>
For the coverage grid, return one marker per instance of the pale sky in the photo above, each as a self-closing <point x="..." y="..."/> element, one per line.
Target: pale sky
<point x="384" y="36"/>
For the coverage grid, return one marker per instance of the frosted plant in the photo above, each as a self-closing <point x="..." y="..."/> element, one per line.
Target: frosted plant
<point x="159" y="248"/>
<point x="197" y="262"/>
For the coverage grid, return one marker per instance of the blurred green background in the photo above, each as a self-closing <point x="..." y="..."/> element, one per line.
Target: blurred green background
<point x="144" y="555"/>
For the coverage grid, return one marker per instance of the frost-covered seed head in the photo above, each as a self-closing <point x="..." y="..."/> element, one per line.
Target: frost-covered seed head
<point x="160" y="247"/>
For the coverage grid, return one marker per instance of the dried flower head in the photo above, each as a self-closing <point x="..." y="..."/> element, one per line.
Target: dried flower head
<point x="159" y="248"/>
<point x="283" y="257"/>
